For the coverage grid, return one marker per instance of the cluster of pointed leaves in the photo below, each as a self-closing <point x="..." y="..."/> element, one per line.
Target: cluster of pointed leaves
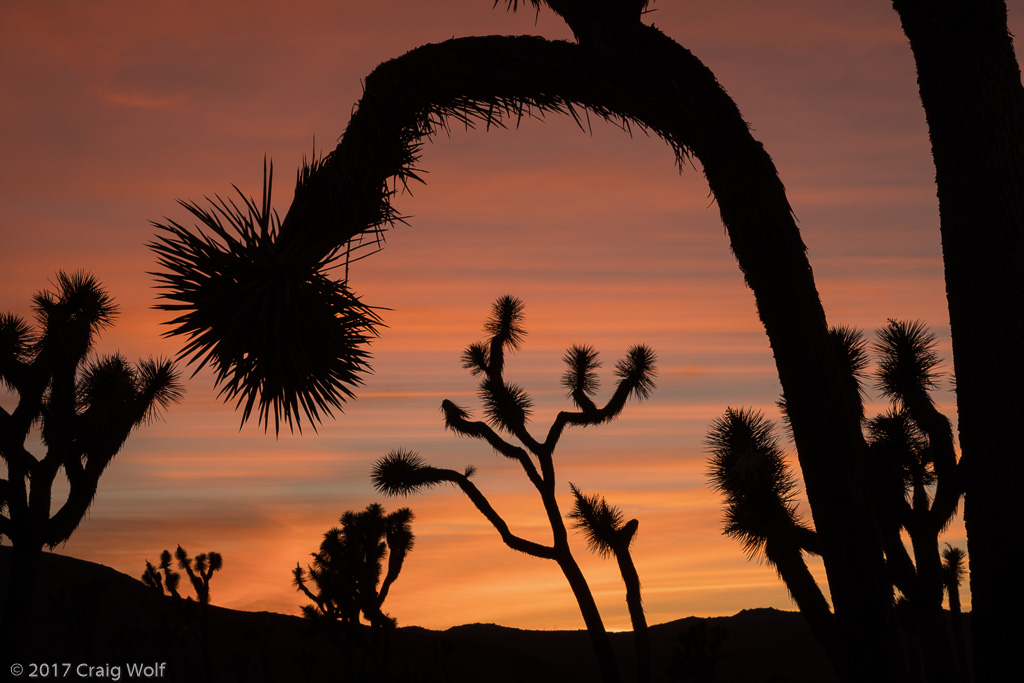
<point x="602" y="524"/>
<point x="580" y="378"/>
<point x="86" y="406"/>
<point x="953" y="567"/>
<point x="346" y="571"/>
<point x="901" y="446"/>
<point x="907" y="359"/>
<point x="637" y="371"/>
<point x="747" y="465"/>
<point x="402" y="472"/>
<point x="282" y="337"/>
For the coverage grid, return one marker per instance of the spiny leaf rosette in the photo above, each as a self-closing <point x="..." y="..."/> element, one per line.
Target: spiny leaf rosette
<point x="282" y="336"/>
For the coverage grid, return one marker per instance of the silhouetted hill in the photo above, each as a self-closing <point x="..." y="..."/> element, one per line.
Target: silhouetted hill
<point x="92" y="614"/>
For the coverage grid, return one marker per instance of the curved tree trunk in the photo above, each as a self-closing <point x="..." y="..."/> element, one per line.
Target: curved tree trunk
<point x="790" y="565"/>
<point x="969" y="82"/>
<point x="649" y="80"/>
<point x="591" y="616"/>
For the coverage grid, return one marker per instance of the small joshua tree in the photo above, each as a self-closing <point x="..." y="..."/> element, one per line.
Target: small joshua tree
<point x="507" y="408"/>
<point x="607" y="534"/>
<point x="199" y="571"/>
<point x="748" y="467"/>
<point x="165" y="578"/>
<point x="346" y="571"/>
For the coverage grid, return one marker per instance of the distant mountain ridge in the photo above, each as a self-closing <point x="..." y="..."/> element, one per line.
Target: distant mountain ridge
<point x="90" y="613"/>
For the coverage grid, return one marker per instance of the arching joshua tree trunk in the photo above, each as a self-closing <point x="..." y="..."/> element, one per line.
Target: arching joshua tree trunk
<point x="970" y="87"/>
<point x="660" y="85"/>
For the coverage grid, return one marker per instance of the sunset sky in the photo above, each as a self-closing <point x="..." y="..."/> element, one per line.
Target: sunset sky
<point x="112" y="110"/>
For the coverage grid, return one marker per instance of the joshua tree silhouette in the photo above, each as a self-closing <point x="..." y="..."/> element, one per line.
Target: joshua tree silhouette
<point x="164" y="579"/>
<point x="906" y="445"/>
<point x="346" y="571"/>
<point x="748" y="467"/>
<point x="625" y="71"/>
<point x="199" y="571"/>
<point x="607" y="534"/>
<point x="507" y="408"/>
<point x="85" y="410"/>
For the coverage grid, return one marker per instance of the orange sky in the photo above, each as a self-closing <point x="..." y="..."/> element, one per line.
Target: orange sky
<point x="112" y="110"/>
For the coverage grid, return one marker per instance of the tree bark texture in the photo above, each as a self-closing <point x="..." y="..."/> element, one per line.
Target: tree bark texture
<point x="970" y="86"/>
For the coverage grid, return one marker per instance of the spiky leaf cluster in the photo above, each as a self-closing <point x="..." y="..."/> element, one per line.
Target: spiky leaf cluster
<point x="850" y="347"/>
<point x="953" y="568"/>
<point x="896" y="440"/>
<point x="73" y="315"/>
<point x="402" y="472"/>
<point x="907" y="359"/>
<point x="580" y="378"/>
<point x="747" y="465"/>
<point x="637" y="369"/>
<point x="506" y="406"/>
<point x="505" y="326"/>
<point x="600" y="522"/>
<point x="282" y="337"/>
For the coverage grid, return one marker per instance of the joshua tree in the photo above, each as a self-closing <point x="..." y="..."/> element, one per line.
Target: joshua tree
<point x="625" y="71"/>
<point x="747" y="465"/>
<point x="606" y="534"/>
<point x="906" y="446"/>
<point x="346" y="571"/>
<point x="507" y="408"/>
<point x="164" y="579"/>
<point x="199" y="571"/>
<point x="913" y="453"/>
<point x="85" y="410"/>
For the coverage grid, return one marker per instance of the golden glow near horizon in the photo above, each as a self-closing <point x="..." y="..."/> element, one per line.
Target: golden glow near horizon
<point x="113" y="110"/>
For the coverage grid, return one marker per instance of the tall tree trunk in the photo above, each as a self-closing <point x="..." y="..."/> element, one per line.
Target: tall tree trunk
<point x="959" y="634"/>
<point x="969" y="82"/>
<point x="790" y="564"/>
<point x="634" y="602"/>
<point x="926" y="600"/>
<point x="591" y="617"/>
